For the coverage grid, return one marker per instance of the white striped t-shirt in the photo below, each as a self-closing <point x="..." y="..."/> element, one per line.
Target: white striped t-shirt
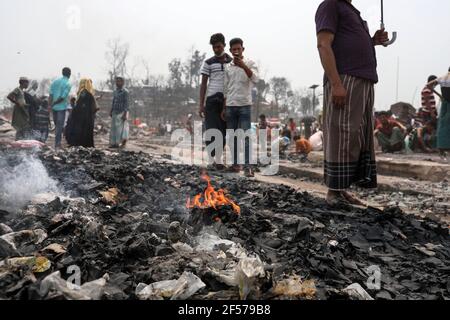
<point x="215" y="70"/>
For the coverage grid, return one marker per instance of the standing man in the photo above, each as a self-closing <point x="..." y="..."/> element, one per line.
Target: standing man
<point x="443" y="132"/>
<point x="42" y="121"/>
<point x="428" y="112"/>
<point x="119" y="114"/>
<point x="21" y="117"/>
<point x="32" y="102"/>
<point x="58" y="103"/>
<point x="347" y="52"/>
<point x="168" y="128"/>
<point x="213" y="77"/>
<point x="240" y="77"/>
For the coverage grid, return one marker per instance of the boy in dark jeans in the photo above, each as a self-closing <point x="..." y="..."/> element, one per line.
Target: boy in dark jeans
<point x="42" y="121"/>
<point x="240" y="77"/>
<point x="213" y="71"/>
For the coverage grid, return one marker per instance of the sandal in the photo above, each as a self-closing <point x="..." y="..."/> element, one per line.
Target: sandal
<point x="353" y="200"/>
<point x="337" y="201"/>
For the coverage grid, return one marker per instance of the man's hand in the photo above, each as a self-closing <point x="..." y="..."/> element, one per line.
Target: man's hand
<point x="201" y="111"/>
<point x="339" y="95"/>
<point x="125" y="116"/>
<point x="239" y="63"/>
<point x="380" y="37"/>
<point x="223" y="115"/>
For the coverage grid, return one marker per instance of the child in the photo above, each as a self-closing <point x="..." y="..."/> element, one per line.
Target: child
<point x="42" y="121"/>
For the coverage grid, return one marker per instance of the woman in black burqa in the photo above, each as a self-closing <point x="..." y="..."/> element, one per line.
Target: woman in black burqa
<point x="80" y="126"/>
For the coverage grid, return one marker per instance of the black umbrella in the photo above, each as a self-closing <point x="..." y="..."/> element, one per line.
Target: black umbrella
<point x="394" y="34"/>
<point x="403" y="109"/>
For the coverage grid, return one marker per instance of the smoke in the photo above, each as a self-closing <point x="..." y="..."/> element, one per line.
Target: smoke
<point x="21" y="178"/>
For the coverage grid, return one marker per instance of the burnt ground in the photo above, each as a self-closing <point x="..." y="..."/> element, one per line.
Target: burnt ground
<point x="293" y="232"/>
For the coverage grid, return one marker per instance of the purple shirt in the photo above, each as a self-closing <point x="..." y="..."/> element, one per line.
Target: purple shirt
<point x="352" y="46"/>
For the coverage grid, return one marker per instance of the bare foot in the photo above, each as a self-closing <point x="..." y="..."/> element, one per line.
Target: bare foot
<point x="353" y="200"/>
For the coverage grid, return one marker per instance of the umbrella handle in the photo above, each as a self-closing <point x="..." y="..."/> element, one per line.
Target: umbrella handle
<point x="393" y="38"/>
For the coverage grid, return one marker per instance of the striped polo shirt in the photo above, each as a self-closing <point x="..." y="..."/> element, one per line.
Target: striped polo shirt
<point x="428" y="100"/>
<point x="214" y="68"/>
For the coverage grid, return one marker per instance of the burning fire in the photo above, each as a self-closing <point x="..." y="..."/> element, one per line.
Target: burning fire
<point x="212" y="199"/>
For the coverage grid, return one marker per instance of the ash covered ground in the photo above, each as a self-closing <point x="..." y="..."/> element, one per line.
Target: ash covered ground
<point x="120" y="219"/>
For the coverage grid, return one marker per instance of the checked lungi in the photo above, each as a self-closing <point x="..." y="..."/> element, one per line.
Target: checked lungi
<point x="119" y="129"/>
<point x="349" y="136"/>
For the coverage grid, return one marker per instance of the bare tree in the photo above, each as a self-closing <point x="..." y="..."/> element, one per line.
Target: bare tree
<point x="176" y="73"/>
<point x="192" y="67"/>
<point x="306" y="105"/>
<point x="280" y="87"/>
<point x="157" y="81"/>
<point x="116" y="56"/>
<point x="146" y="66"/>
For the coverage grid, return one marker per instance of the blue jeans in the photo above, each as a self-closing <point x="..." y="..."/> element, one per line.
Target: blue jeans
<point x="59" y="118"/>
<point x="239" y="118"/>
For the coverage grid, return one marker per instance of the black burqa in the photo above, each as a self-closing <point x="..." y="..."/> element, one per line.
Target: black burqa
<point x="80" y="126"/>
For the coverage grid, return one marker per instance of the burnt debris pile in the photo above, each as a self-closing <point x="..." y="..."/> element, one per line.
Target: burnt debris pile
<point x="118" y="227"/>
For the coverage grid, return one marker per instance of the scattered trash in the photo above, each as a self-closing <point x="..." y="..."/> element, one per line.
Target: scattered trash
<point x="112" y="196"/>
<point x="248" y="271"/>
<point x="356" y="292"/>
<point x="54" y="285"/>
<point x="424" y="250"/>
<point x="182" y="289"/>
<point x="55" y="248"/>
<point x="36" y="264"/>
<point x="176" y="232"/>
<point x="182" y="247"/>
<point x="333" y="243"/>
<point x="7" y="249"/>
<point x="295" y="288"/>
<point x="27" y="144"/>
<point x="18" y="238"/>
<point x="4" y="229"/>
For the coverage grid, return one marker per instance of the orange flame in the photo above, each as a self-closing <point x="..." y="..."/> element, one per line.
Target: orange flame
<point x="212" y="199"/>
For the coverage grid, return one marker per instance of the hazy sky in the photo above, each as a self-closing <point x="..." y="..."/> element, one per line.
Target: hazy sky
<point x="279" y="34"/>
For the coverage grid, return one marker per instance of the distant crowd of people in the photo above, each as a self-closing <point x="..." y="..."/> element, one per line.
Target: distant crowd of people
<point x="73" y="117"/>
<point x="306" y="138"/>
<point x="427" y="131"/>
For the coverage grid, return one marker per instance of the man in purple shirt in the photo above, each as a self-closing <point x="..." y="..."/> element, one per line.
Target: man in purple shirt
<point x="347" y="52"/>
